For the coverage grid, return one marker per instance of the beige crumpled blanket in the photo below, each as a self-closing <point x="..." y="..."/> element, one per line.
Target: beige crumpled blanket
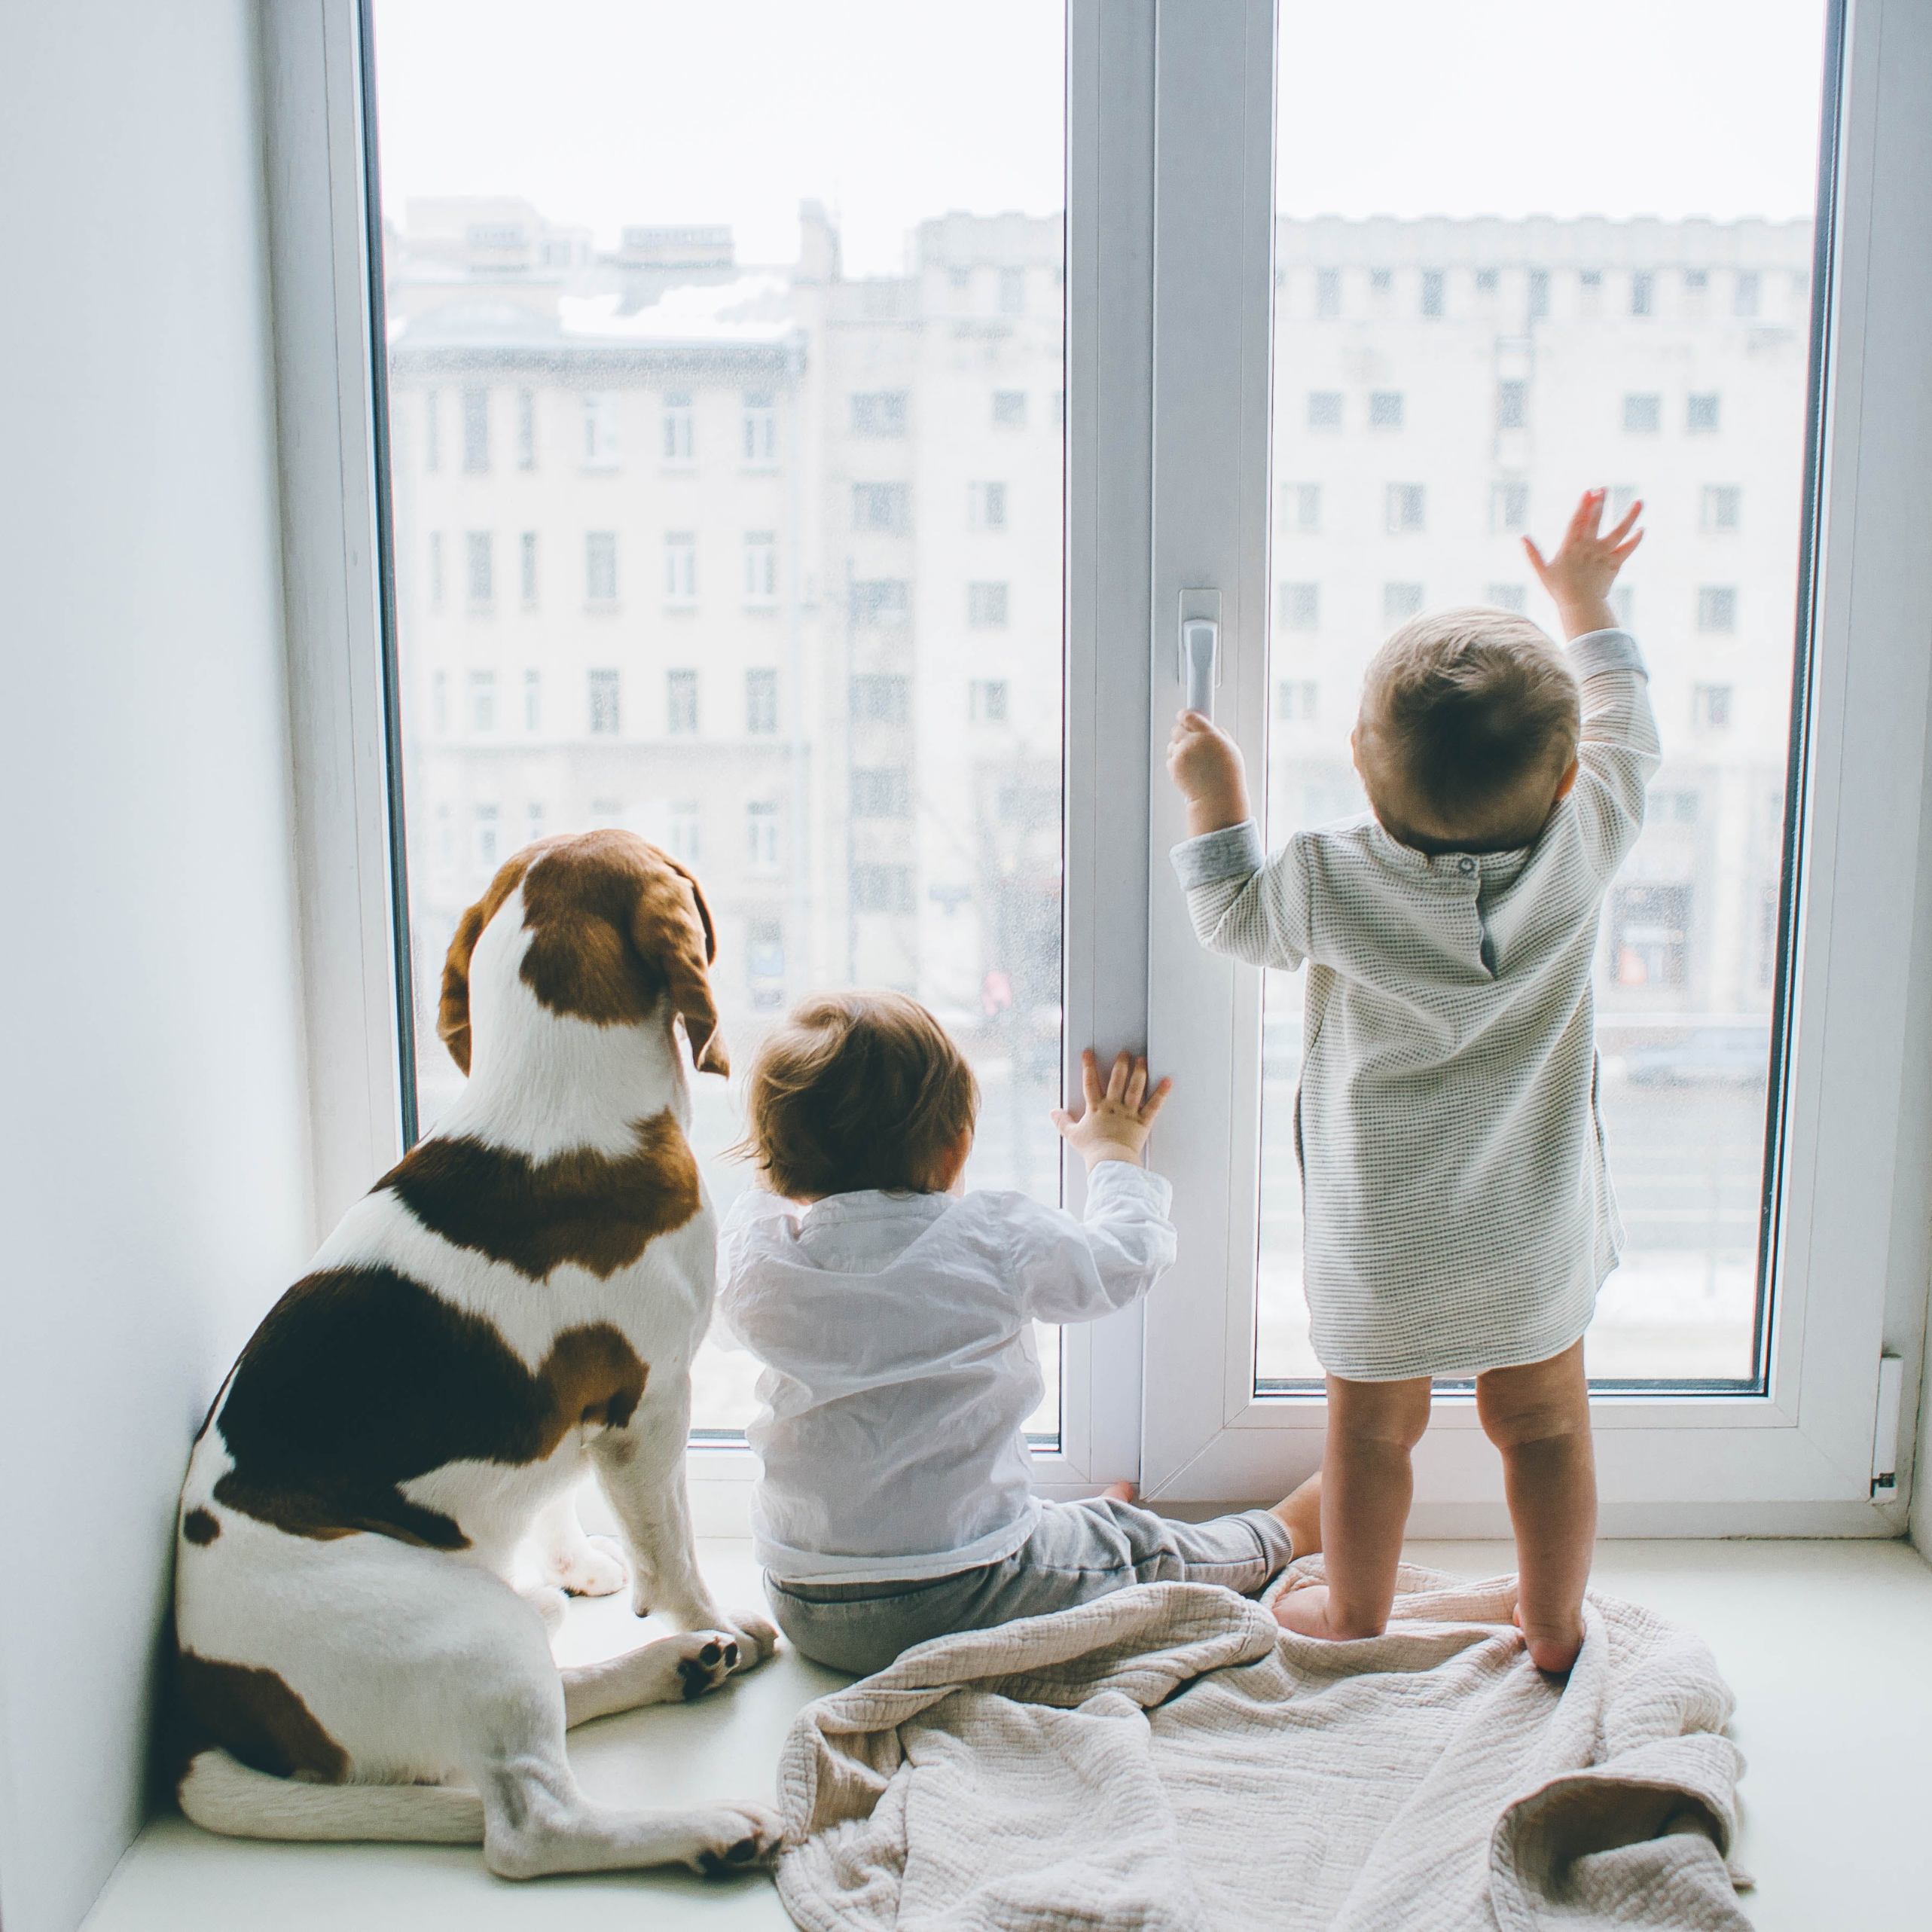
<point x="1168" y="1758"/>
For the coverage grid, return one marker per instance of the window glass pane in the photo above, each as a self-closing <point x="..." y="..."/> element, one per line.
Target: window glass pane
<point x="782" y="426"/>
<point x="1488" y="299"/>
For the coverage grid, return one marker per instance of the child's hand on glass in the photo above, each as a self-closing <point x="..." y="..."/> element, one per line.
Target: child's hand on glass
<point x="1206" y="765"/>
<point x="1578" y="577"/>
<point x="1117" y="1121"/>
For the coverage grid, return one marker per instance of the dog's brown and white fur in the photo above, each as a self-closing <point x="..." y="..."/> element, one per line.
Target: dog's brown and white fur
<point x="515" y="1304"/>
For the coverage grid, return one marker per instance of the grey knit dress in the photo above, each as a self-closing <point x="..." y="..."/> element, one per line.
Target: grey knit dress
<point x="1458" y="1206"/>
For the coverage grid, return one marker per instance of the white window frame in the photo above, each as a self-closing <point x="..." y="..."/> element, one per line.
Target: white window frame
<point x="1168" y="489"/>
<point x="1853" y="1246"/>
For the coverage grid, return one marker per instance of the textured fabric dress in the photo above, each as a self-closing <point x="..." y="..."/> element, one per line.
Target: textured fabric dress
<point x="1457" y="1208"/>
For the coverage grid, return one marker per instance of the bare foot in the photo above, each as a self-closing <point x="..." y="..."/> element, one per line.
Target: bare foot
<point x="1558" y="1655"/>
<point x="1301" y="1514"/>
<point x="1120" y="1492"/>
<point x="1305" y="1611"/>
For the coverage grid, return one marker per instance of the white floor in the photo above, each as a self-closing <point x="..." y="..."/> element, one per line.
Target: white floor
<point x="1828" y="1646"/>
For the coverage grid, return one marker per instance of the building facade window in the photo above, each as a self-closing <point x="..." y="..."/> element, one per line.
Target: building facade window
<point x="1487" y="281"/>
<point x="762" y="846"/>
<point x="1642" y="415"/>
<point x="686" y="831"/>
<point x="1400" y="602"/>
<point x="760" y="702"/>
<point x="1385" y="409"/>
<point x="1716" y="607"/>
<point x="1324" y="409"/>
<point x="1299" y="606"/>
<point x="680" y="442"/>
<point x="1328" y="294"/>
<point x="476" y="430"/>
<point x="761" y="427"/>
<point x="1512" y="403"/>
<point x="1538" y="293"/>
<point x="1404" y="504"/>
<point x="1297" y="701"/>
<point x="1622" y="497"/>
<point x="986" y="506"/>
<point x="604" y="718"/>
<point x="1435" y="286"/>
<point x="1710" y="707"/>
<point x="761" y="566"/>
<point x="432" y="431"/>
<point x="1302" y="507"/>
<point x="600" y="566"/>
<point x="1623" y="606"/>
<point x="881" y="791"/>
<point x="1009" y="409"/>
<point x="526" y="429"/>
<point x="1509" y="506"/>
<point x="1700" y="416"/>
<point x="1507" y="597"/>
<point x="1719" y="505"/>
<point x="482" y="700"/>
<point x="765" y="962"/>
<point x="882" y="889"/>
<point x="986" y="606"/>
<point x="880" y="698"/>
<point x="1013" y="291"/>
<point x="879" y="601"/>
<point x="680" y="567"/>
<point x="526" y="553"/>
<point x="487" y="823"/>
<point x="478" y="575"/>
<point x="681" y="703"/>
<point x="533" y="822"/>
<point x="1744" y="293"/>
<point x="1643" y="293"/>
<point x="436" y="569"/>
<point x="986" y="701"/>
<point x="879" y="412"/>
<point x="883" y="507"/>
<point x="1649" y="936"/>
<point x="600" y="438"/>
<point x="533" y="702"/>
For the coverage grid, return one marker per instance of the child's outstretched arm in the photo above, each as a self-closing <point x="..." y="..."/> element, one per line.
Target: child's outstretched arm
<point x="1618" y="750"/>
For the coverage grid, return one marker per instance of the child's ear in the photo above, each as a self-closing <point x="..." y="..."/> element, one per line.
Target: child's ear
<point x="1564" y="784"/>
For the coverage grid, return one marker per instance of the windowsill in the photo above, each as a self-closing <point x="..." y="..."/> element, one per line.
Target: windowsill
<point x="677" y="469"/>
<point x="598" y="607"/>
<point x="1830" y="1763"/>
<point x="760" y="469"/>
<point x="599" y="469"/>
<point x="764" y="607"/>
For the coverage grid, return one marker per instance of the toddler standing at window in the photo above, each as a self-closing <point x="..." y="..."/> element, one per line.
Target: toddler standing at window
<point x="893" y="1312"/>
<point x="1458" y="1212"/>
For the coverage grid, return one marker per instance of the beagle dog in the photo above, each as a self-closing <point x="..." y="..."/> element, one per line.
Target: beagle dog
<point x="516" y="1303"/>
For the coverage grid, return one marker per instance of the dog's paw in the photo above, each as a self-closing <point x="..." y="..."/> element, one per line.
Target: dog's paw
<point x="593" y="1566"/>
<point x="706" y="1658"/>
<point x="548" y="1602"/>
<point x="758" y="1637"/>
<point x="741" y="1837"/>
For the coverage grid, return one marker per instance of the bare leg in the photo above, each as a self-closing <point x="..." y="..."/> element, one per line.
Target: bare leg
<point x="1539" y="1416"/>
<point x="1365" y="1495"/>
<point x="1300" y="1513"/>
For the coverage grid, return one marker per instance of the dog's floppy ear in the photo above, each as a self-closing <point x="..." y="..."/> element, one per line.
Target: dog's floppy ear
<point x="673" y="932"/>
<point x="452" y="1009"/>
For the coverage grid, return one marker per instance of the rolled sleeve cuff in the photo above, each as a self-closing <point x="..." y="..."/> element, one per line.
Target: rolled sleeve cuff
<point x="1602" y="650"/>
<point x="1233" y="852"/>
<point x="1128" y="1181"/>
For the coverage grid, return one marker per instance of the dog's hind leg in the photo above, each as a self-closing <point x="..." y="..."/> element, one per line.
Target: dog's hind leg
<point x="536" y="1820"/>
<point x="565" y="1558"/>
<point x="672" y="1668"/>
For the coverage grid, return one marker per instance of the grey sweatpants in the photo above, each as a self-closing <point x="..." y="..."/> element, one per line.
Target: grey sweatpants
<point x="1078" y="1551"/>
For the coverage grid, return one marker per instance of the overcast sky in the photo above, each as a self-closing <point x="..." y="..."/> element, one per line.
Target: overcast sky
<point x="606" y="111"/>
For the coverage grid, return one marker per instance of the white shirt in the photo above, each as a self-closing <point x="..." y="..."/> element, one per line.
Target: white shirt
<point x="1457" y="1210"/>
<point x="896" y="1333"/>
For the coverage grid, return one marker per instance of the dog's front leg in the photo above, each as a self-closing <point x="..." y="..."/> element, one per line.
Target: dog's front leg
<point x="641" y="1469"/>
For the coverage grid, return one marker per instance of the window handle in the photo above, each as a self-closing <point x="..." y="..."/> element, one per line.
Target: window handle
<point x="1200" y="662"/>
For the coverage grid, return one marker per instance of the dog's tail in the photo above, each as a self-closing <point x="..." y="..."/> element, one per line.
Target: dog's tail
<point x="220" y="1794"/>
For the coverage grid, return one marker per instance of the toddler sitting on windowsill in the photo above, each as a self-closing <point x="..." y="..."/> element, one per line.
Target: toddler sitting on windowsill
<point x="893" y="1312"/>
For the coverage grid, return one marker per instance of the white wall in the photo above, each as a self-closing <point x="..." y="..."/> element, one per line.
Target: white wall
<point x="153" y="1195"/>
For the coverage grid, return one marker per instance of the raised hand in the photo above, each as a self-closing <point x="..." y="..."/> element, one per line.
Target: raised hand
<point x="1117" y="1118"/>
<point x="1207" y="766"/>
<point x="1578" y="577"/>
